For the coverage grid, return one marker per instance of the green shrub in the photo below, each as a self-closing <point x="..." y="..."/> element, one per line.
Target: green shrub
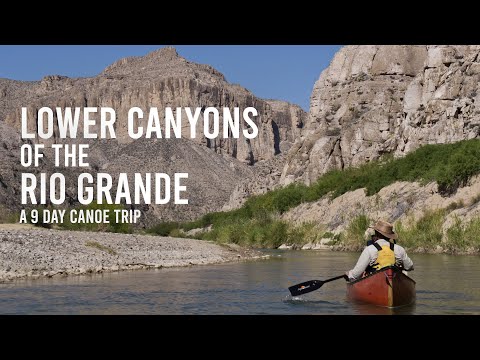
<point x="306" y="232"/>
<point x="7" y="216"/>
<point x="176" y="233"/>
<point x="354" y="235"/>
<point x="450" y="165"/>
<point x="163" y="228"/>
<point x="426" y="232"/>
<point x="463" y="236"/>
<point x="112" y="226"/>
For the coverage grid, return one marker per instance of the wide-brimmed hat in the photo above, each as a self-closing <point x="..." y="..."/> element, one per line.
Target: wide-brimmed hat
<point x="385" y="229"/>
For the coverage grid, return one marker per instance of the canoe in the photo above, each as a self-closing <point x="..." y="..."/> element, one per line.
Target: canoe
<point x="388" y="287"/>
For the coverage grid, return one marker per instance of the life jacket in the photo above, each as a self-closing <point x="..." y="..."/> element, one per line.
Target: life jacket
<point x="385" y="257"/>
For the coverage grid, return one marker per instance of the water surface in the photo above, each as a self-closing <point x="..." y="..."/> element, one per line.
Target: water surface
<point x="445" y="285"/>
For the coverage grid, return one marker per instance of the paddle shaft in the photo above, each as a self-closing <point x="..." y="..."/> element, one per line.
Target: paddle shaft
<point x="336" y="278"/>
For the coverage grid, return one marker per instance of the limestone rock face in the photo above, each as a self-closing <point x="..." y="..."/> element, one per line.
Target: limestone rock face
<point x="266" y="177"/>
<point x="160" y="79"/>
<point x="373" y="100"/>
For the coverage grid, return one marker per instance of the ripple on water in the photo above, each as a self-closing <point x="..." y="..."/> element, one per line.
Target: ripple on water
<point x="243" y="288"/>
<point x="294" y="299"/>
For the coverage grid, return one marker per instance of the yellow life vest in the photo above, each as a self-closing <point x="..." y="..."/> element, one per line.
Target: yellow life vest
<point x="385" y="257"/>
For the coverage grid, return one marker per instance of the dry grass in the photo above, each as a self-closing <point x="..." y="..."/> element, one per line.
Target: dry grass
<point x="99" y="246"/>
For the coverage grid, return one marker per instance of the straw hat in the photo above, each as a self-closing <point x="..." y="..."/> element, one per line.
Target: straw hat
<point x="385" y="229"/>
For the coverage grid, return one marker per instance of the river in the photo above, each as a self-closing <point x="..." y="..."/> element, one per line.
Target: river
<point x="445" y="285"/>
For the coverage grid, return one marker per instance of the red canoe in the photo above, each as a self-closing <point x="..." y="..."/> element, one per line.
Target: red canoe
<point x="387" y="287"/>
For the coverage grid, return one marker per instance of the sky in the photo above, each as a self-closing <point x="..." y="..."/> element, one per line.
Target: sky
<point x="286" y="72"/>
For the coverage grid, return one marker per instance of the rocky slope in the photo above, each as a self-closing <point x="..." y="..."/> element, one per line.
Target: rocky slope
<point x="373" y="100"/>
<point x="159" y="79"/>
<point x="211" y="177"/>
<point x="404" y="201"/>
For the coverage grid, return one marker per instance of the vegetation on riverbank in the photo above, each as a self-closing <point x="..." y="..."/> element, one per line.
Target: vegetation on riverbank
<point x="112" y="226"/>
<point x="425" y="234"/>
<point x="265" y="230"/>
<point x="7" y="216"/>
<point x="257" y="223"/>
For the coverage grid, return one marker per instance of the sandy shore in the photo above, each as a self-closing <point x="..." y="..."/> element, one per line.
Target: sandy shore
<point x="33" y="252"/>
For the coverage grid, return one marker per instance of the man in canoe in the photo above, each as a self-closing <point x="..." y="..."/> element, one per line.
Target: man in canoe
<point x="382" y="252"/>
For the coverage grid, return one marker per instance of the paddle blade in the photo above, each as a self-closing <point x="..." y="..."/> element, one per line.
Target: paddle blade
<point x="306" y="287"/>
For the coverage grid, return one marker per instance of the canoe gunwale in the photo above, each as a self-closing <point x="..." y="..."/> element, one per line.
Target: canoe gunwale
<point x="393" y="267"/>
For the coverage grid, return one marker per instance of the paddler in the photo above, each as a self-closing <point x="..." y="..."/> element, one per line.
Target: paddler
<point x="380" y="252"/>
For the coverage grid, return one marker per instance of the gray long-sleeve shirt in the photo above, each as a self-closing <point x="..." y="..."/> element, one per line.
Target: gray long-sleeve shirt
<point x="369" y="257"/>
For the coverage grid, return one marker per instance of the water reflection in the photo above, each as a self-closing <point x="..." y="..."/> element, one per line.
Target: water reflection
<point x="445" y="285"/>
<point x="368" y="309"/>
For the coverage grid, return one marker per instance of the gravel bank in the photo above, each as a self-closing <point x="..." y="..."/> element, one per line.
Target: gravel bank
<point x="34" y="252"/>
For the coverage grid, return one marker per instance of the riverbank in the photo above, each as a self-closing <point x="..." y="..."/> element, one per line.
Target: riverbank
<point x="320" y="246"/>
<point x="434" y="206"/>
<point x="35" y="252"/>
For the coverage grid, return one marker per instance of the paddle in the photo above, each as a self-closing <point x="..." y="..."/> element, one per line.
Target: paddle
<point x="311" y="285"/>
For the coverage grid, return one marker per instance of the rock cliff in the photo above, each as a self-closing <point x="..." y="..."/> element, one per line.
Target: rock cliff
<point x="159" y="79"/>
<point x="374" y="100"/>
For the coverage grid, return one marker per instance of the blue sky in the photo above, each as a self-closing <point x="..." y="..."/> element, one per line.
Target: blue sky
<point x="275" y="72"/>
